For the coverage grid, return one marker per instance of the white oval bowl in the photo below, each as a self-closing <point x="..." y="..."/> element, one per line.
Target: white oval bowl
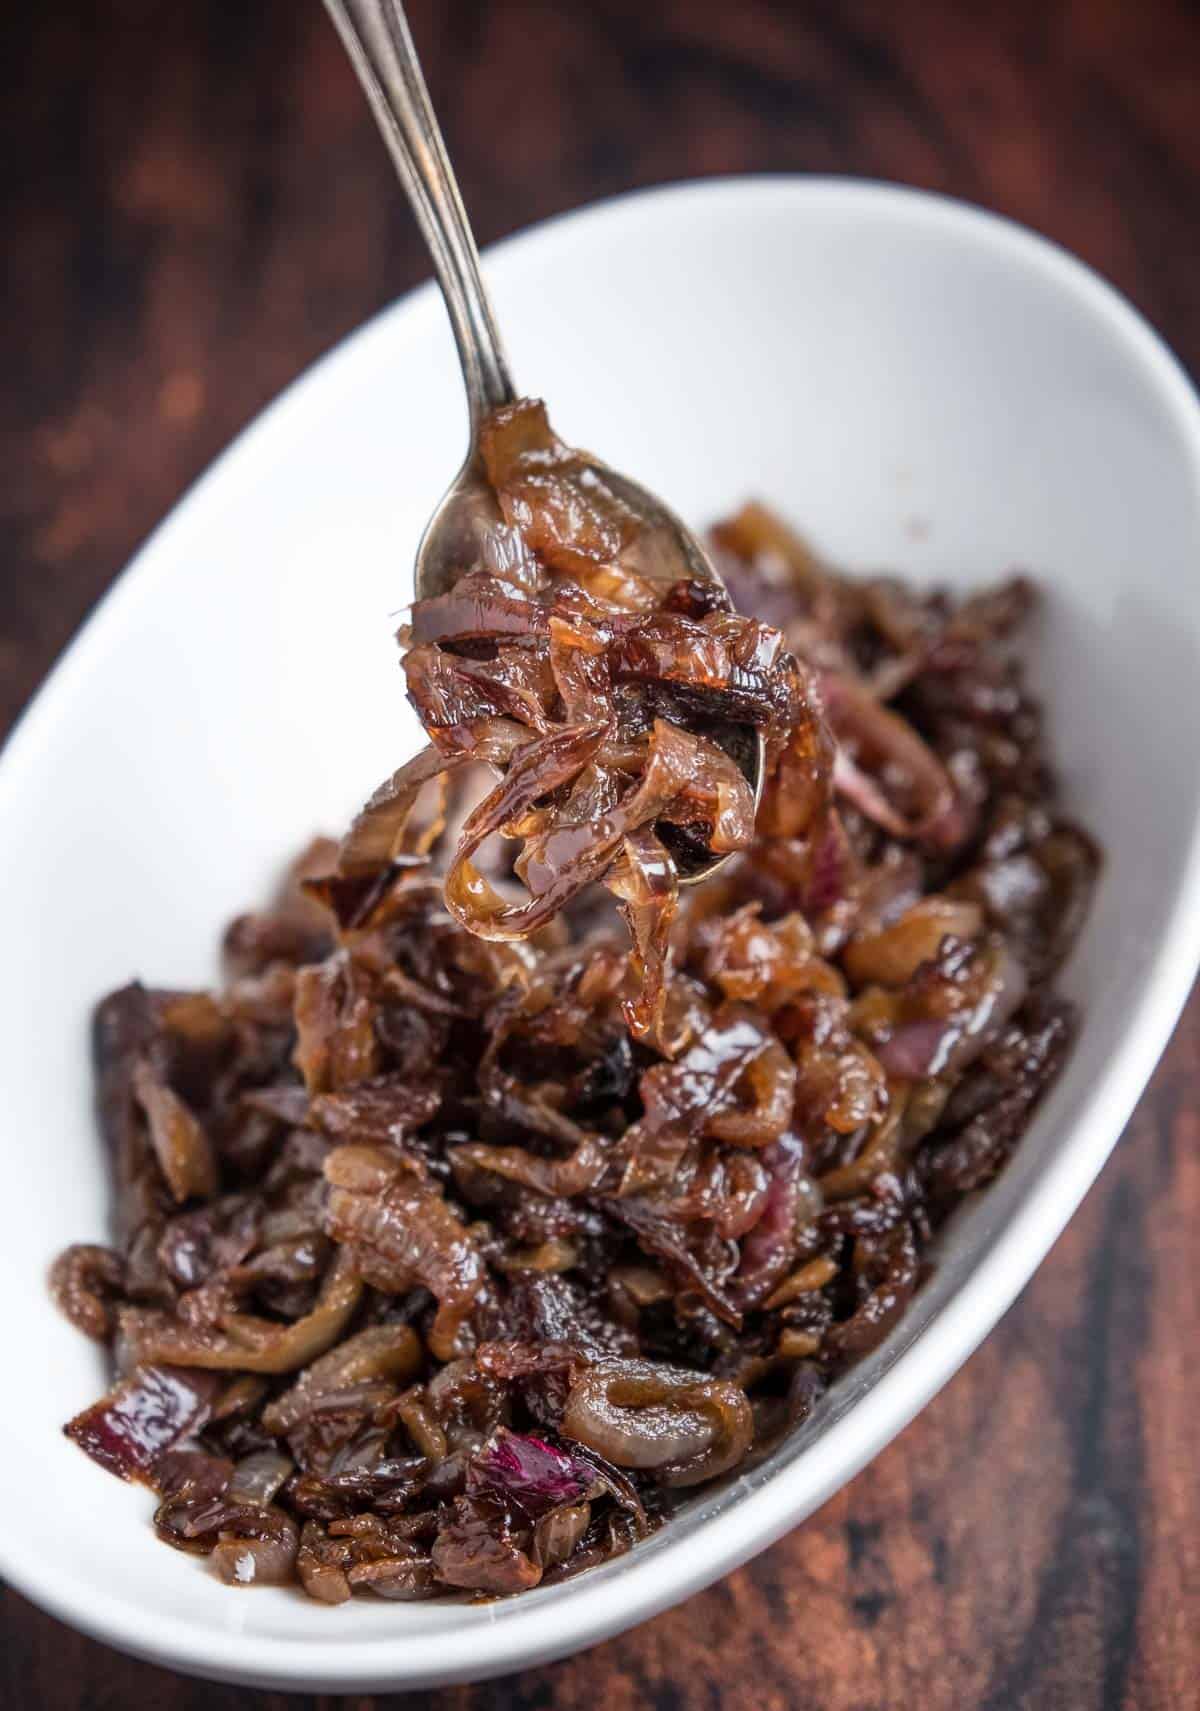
<point x="919" y="386"/>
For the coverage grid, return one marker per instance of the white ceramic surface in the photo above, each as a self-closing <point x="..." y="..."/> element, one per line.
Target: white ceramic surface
<point x="919" y="386"/>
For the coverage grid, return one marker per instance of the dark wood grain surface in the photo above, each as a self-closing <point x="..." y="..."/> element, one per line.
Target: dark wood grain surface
<point x="195" y="206"/>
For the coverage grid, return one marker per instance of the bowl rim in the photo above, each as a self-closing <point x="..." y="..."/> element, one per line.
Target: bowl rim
<point x="539" y="1633"/>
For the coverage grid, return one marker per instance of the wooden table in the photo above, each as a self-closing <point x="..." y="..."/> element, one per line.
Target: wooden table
<point x="197" y="206"/>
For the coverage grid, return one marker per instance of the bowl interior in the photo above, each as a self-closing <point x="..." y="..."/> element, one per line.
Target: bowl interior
<point x="918" y="387"/>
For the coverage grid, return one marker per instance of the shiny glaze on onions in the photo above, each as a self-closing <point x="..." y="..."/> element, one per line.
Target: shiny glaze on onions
<point x="443" y="1260"/>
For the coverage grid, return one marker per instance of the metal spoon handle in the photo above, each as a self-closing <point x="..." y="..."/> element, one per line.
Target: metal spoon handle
<point x="377" y="38"/>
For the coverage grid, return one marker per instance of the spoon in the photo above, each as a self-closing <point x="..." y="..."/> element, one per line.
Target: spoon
<point x="376" y="36"/>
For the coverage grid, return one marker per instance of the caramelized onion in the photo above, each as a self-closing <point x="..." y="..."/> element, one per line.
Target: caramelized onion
<point x="536" y="769"/>
<point x="647" y="887"/>
<point x="698" y="1094"/>
<point x="83" y="1280"/>
<point x="396" y="1577"/>
<point x="575" y="1174"/>
<point x="950" y="1008"/>
<point x="682" y="1426"/>
<point x="377" y="834"/>
<point x="258" y="1477"/>
<point x="245" y="1343"/>
<point x="184" y="1152"/>
<point x="399" y="1232"/>
<point x="461" y="1222"/>
<point x="770" y="1080"/>
<point x="557" y="1534"/>
<point x="257" y="1547"/>
<point x="581" y="626"/>
<point x="878" y="1155"/>
<point x="874" y="744"/>
<point x="321" y="1564"/>
<point x="147" y="1414"/>
<point x="391" y="1352"/>
<point x="891" y="954"/>
<point x="553" y="496"/>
